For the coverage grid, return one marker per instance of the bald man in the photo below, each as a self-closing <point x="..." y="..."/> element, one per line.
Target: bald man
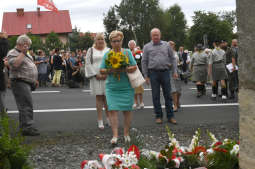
<point x="158" y="59"/>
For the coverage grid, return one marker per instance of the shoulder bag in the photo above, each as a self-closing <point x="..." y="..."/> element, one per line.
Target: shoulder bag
<point x="135" y="78"/>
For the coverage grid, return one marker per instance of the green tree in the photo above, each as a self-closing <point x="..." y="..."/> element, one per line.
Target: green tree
<point x="85" y="41"/>
<point x="111" y="22"/>
<point x="53" y="41"/>
<point x="12" y="41"/>
<point x="209" y="24"/>
<point x="36" y="42"/>
<point x="175" y="25"/>
<point x="74" y="39"/>
<point x="230" y="17"/>
<point x="137" y="18"/>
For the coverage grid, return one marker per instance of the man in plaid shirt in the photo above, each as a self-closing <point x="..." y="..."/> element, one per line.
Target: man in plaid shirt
<point x="23" y="75"/>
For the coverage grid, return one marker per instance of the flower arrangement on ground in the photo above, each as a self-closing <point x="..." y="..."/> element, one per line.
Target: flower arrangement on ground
<point x="218" y="155"/>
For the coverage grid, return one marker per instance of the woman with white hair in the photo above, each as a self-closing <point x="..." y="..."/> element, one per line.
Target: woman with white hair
<point x="23" y="75"/>
<point x="97" y="80"/>
<point x="138" y="90"/>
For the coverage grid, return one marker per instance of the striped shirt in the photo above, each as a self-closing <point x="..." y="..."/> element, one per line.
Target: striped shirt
<point x="158" y="56"/>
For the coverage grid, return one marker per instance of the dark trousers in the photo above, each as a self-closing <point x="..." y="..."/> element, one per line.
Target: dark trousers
<point x="233" y="81"/>
<point x="2" y="103"/>
<point x="23" y="97"/>
<point x="157" y="79"/>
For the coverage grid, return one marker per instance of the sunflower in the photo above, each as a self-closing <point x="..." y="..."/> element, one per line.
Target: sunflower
<point x="115" y="61"/>
<point x="126" y="60"/>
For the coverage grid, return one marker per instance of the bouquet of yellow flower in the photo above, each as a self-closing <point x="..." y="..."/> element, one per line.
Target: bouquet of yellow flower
<point x="116" y="62"/>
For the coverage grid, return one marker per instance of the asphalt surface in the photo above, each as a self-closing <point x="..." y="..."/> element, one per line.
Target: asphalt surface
<point x="64" y="109"/>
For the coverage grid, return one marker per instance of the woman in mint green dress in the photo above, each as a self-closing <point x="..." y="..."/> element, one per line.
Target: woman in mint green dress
<point x="119" y="93"/>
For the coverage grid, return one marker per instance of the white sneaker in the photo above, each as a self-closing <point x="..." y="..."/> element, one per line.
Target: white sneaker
<point x="100" y="124"/>
<point x="127" y="139"/>
<point x="141" y="106"/>
<point x="214" y="95"/>
<point x="114" y="140"/>
<point x="134" y="106"/>
<point x="224" y="97"/>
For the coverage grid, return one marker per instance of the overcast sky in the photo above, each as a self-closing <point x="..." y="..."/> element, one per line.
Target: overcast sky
<point x="87" y="15"/>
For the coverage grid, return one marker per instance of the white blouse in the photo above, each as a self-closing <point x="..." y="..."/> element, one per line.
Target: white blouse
<point x="92" y="69"/>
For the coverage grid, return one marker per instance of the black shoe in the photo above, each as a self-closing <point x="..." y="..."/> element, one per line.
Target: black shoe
<point x="30" y="132"/>
<point x="172" y="120"/>
<point x="232" y="96"/>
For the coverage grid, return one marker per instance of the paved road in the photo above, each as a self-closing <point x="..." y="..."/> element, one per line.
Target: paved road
<point x="64" y="109"/>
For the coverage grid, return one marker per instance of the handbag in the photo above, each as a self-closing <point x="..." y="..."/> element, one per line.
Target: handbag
<point x="136" y="78"/>
<point x="88" y="69"/>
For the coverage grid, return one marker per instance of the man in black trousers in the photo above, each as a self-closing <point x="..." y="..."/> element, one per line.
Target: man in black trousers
<point x="3" y="52"/>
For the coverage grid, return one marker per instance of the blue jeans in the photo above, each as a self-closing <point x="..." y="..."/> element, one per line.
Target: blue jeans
<point x="157" y="79"/>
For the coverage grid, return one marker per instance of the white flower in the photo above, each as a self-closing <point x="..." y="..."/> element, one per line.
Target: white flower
<point x="193" y="143"/>
<point x="93" y="164"/>
<point x="154" y="154"/>
<point x="177" y="163"/>
<point x="129" y="159"/>
<point x="235" y="150"/>
<point x="214" y="140"/>
<point x="210" y="151"/>
<point x="201" y="156"/>
<point x="108" y="160"/>
<point x="184" y="149"/>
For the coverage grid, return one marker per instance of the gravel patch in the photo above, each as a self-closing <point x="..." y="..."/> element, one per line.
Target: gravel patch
<point x="67" y="150"/>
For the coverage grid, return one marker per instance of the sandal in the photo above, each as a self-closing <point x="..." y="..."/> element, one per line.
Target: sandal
<point x="127" y="139"/>
<point x="100" y="124"/>
<point x="114" y="140"/>
<point x="108" y="122"/>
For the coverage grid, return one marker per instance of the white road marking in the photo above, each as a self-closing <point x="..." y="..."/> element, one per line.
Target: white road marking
<point x="146" y="107"/>
<point x="90" y="90"/>
<point x="194" y="88"/>
<point x="44" y="91"/>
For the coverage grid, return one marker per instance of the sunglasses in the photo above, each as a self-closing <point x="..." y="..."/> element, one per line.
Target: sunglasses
<point x="116" y="41"/>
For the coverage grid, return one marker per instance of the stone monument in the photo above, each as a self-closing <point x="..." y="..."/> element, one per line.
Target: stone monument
<point x="246" y="34"/>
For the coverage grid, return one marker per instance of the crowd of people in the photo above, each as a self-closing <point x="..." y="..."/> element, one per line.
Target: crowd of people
<point x="162" y="67"/>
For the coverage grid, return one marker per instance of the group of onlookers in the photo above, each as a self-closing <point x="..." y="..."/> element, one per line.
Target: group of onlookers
<point x="219" y="65"/>
<point x="60" y="68"/>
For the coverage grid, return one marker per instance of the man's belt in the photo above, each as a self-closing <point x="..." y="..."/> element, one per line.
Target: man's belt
<point x="158" y="70"/>
<point x="219" y="61"/>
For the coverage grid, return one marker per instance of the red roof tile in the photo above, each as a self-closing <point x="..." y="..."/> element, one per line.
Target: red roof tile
<point x="44" y="23"/>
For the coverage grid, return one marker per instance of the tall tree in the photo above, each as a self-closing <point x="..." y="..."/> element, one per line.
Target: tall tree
<point x="212" y="26"/>
<point x="175" y="25"/>
<point x="230" y="17"/>
<point x="138" y="17"/>
<point x="73" y="39"/>
<point x="36" y="42"/>
<point x="12" y="41"/>
<point x="85" y="41"/>
<point x="111" y="21"/>
<point x="53" y="41"/>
